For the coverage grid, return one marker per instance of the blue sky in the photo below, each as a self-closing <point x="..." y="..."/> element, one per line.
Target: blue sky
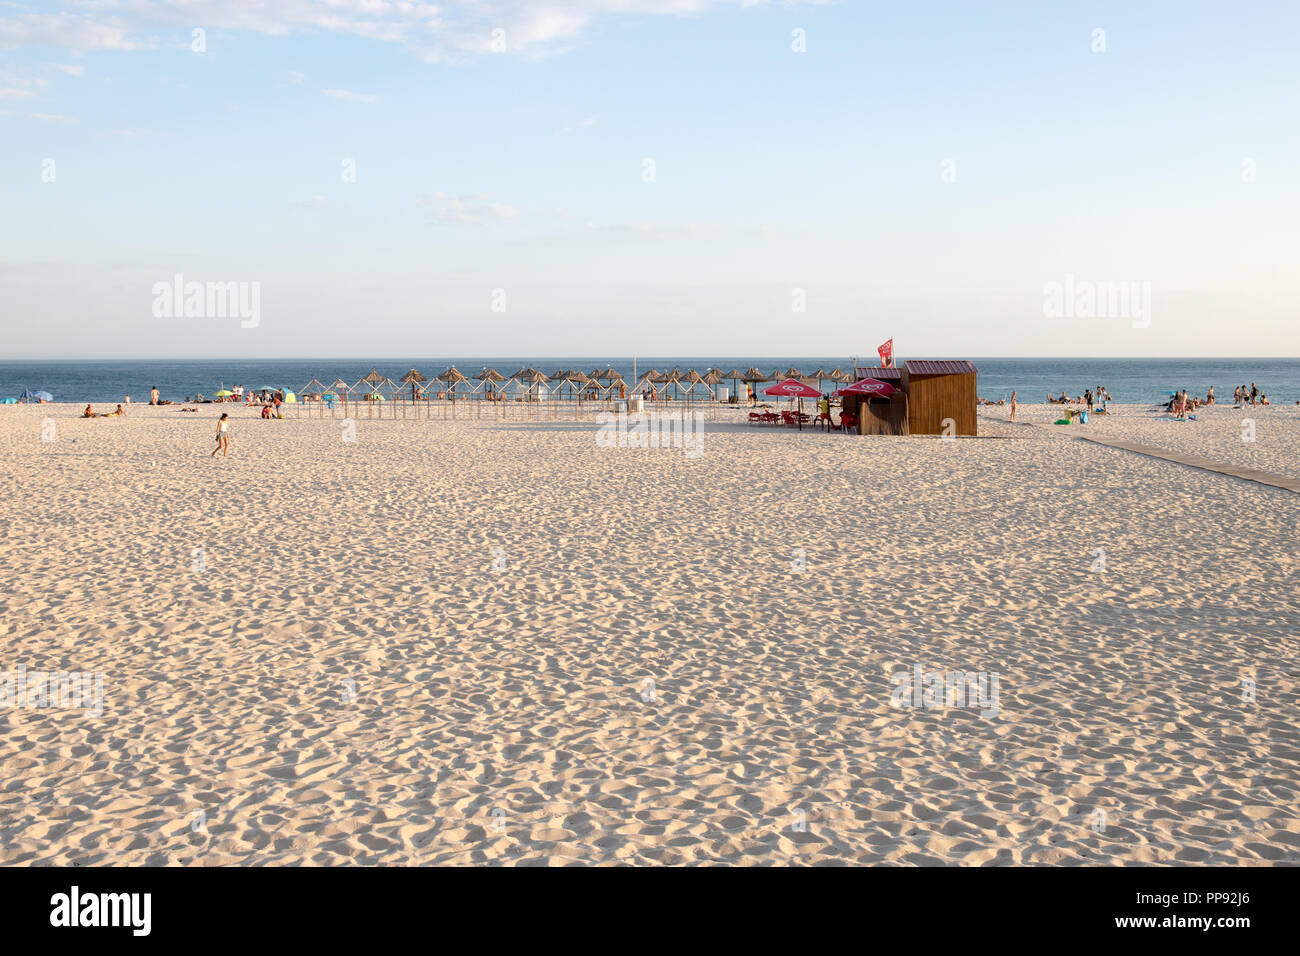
<point x="522" y="171"/>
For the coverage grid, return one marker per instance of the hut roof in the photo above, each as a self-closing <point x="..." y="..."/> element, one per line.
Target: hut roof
<point x="489" y="375"/>
<point x="412" y="378"/>
<point x="927" y="367"/>
<point x="878" y="372"/>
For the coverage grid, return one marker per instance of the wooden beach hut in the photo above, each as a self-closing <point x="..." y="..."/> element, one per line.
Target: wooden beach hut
<point x="938" y="390"/>
<point x="932" y="391"/>
<point x="879" y="416"/>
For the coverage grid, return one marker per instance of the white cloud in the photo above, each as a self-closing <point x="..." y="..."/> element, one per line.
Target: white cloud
<point x="68" y="30"/>
<point x="350" y="96"/>
<point x="296" y="78"/>
<point x="49" y="117"/>
<point x="70" y="68"/>
<point x="11" y="93"/>
<point x="434" y="31"/>
<point x="447" y="207"/>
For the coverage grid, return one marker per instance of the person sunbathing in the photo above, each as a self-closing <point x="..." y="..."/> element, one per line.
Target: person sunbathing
<point x="88" y="413"/>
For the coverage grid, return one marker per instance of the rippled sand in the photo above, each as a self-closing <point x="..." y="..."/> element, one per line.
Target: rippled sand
<point x="313" y="651"/>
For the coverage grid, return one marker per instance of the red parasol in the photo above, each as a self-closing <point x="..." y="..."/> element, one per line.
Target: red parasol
<point x="868" y="386"/>
<point x="791" y="388"/>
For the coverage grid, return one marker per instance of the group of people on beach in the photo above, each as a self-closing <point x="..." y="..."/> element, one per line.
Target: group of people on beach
<point x="1241" y="395"/>
<point x="1098" y="397"/>
<point x="91" y="413"/>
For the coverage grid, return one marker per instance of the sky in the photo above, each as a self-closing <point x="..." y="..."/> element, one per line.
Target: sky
<point x="610" y="177"/>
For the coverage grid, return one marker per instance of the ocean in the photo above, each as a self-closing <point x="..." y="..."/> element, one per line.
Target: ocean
<point x="1129" y="380"/>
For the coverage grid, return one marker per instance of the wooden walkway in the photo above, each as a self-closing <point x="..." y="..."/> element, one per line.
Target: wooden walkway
<point x="1191" y="461"/>
<point x="1195" y="461"/>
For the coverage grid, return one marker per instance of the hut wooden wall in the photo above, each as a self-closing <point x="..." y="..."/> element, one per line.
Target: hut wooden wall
<point x="932" y="398"/>
<point x="880" y="418"/>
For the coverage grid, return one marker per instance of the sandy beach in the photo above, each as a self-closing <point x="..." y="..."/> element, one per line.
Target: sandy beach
<point x="498" y="642"/>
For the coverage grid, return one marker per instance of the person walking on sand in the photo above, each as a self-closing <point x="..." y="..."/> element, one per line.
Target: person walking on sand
<point x="153" y="395"/>
<point x="223" y="436"/>
<point x="1013" y="405"/>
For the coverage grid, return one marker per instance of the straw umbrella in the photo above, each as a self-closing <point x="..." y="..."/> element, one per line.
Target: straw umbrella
<point x="651" y="377"/>
<point x="735" y="375"/>
<point x="692" y="378"/>
<point x="838" y="375"/>
<point x="673" y="378"/>
<point x="487" y="378"/>
<point x="372" y="382"/>
<point x="820" y="374"/>
<point x="531" y="376"/>
<point x="452" y="377"/>
<point x="753" y="377"/>
<point x="712" y="378"/>
<point x="412" y="378"/>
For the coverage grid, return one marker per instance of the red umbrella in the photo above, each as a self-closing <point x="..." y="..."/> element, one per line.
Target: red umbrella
<point x="868" y="386"/>
<point x="792" y="388"/>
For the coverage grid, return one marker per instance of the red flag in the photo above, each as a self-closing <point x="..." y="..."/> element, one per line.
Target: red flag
<point x="887" y="354"/>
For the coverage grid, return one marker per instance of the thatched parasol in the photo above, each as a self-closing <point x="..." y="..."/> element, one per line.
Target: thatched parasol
<point x="412" y="378"/>
<point x="839" y="375"/>
<point x="753" y="377"/>
<point x="735" y="375"/>
<point x="373" y="381"/>
<point x="531" y="376"/>
<point x="489" y="377"/>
